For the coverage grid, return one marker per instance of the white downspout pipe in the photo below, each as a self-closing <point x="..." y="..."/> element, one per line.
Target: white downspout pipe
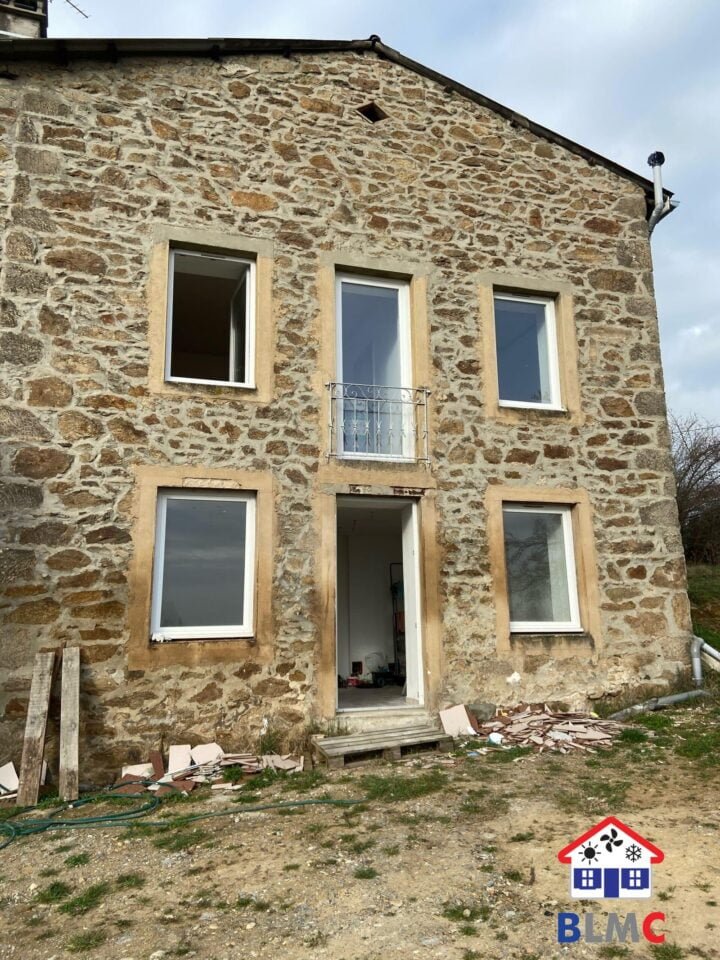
<point x="663" y="205"/>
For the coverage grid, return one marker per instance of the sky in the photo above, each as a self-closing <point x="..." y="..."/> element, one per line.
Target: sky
<point x="624" y="77"/>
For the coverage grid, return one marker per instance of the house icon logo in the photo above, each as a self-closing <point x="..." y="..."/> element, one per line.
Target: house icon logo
<point x="610" y="861"/>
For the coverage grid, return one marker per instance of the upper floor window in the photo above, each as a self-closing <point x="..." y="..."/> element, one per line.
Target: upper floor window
<point x="204" y="568"/>
<point x="373" y="397"/>
<point x="527" y="352"/>
<point x="211" y="323"/>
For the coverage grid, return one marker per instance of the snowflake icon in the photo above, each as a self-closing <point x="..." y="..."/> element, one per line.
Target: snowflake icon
<point x="633" y="852"/>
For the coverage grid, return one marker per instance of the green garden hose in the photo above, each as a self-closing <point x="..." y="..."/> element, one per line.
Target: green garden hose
<point x="22" y="826"/>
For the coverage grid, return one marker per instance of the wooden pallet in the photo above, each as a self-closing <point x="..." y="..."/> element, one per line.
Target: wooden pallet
<point x="389" y="744"/>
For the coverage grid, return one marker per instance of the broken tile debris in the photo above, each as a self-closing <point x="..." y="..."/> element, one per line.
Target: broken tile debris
<point x="9" y="781"/>
<point x="205" y="763"/>
<point x="538" y="727"/>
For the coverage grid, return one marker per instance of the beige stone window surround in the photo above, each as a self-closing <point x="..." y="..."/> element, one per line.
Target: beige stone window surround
<point x="585" y="564"/>
<point x="559" y="293"/>
<point x="334" y="264"/>
<point x="142" y="653"/>
<point x="260" y="253"/>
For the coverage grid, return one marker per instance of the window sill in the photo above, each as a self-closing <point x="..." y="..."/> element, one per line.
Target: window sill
<point x="174" y="642"/>
<point x="374" y="458"/>
<point x="548" y="637"/>
<point x="225" y="384"/>
<point x="539" y="407"/>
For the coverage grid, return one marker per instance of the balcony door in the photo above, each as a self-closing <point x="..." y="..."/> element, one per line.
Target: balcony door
<point x="375" y="413"/>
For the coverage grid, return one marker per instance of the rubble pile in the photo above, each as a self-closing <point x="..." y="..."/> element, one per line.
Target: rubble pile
<point x="543" y="729"/>
<point x="206" y="763"/>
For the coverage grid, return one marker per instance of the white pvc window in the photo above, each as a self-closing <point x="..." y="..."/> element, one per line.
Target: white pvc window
<point x="540" y="564"/>
<point x="375" y="411"/>
<point x="204" y="566"/>
<point x="211" y="319"/>
<point x="527" y="355"/>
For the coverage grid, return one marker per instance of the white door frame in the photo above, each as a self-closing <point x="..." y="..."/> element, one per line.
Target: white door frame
<point x="412" y="591"/>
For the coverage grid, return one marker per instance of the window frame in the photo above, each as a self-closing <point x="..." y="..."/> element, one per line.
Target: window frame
<point x="574" y="624"/>
<point x="556" y="402"/>
<point x="406" y="357"/>
<point x="249" y="383"/>
<point x="159" y="634"/>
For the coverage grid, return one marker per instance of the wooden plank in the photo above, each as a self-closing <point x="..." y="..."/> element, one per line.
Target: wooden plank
<point x="363" y="746"/>
<point x="69" y="723"/>
<point x="377" y="736"/>
<point x="33" y="744"/>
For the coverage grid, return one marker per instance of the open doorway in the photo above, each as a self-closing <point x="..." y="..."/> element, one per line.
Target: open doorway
<point x="379" y="660"/>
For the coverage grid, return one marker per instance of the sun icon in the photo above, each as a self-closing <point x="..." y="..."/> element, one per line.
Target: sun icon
<point x="589" y="853"/>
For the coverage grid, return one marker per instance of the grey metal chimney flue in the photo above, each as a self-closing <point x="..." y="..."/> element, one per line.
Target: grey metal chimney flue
<point x="663" y="205"/>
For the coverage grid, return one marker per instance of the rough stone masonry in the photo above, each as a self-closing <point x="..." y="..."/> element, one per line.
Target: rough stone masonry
<point x="93" y="157"/>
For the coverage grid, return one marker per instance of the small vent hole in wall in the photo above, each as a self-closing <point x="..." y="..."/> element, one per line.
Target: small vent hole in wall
<point x="372" y="112"/>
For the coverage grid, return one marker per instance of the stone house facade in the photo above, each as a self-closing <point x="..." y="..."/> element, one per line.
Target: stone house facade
<point x="438" y="458"/>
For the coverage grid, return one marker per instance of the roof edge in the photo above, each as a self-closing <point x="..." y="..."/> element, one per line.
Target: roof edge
<point x="62" y="51"/>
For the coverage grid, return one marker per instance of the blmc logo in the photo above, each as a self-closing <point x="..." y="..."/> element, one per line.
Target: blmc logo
<point x="610" y="862"/>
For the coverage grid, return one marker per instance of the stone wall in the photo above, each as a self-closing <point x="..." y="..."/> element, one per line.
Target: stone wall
<point x="94" y="157"/>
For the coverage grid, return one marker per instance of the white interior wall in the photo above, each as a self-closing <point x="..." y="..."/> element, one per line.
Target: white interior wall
<point x="364" y="602"/>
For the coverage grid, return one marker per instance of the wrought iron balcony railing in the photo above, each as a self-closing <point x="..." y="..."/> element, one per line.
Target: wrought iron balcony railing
<point x="378" y="423"/>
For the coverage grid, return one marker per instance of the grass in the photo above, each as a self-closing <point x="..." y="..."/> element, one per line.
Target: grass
<point x="465" y="912"/>
<point x="666" y="951"/>
<point x="181" y="840"/>
<point x="704" y="593"/>
<point x="612" y="951"/>
<point x="55" y="893"/>
<point x="304" y="781"/>
<point x="77" y="860"/>
<point x="82" y="942"/>
<point x="509" y="755"/>
<point x="271" y="741"/>
<point x="260" y="906"/>
<point x="394" y="786"/>
<point x="87" y="900"/>
<point x="130" y="881"/>
<point x="522" y="837"/>
<point x="365" y="873"/>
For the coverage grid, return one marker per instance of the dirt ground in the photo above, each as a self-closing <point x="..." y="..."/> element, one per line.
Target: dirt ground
<point x="451" y="857"/>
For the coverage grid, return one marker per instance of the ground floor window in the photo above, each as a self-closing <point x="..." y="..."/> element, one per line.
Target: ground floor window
<point x="540" y="565"/>
<point x="204" y="563"/>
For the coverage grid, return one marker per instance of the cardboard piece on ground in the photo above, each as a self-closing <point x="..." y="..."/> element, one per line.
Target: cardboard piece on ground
<point x="140" y="771"/>
<point x="179" y="758"/>
<point x="206" y="753"/>
<point x="458" y="722"/>
<point x="9" y="781"/>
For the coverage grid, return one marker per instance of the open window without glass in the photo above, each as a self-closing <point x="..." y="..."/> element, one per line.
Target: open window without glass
<point x="527" y="353"/>
<point x="204" y="567"/>
<point x="210" y="334"/>
<point x="540" y="565"/>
